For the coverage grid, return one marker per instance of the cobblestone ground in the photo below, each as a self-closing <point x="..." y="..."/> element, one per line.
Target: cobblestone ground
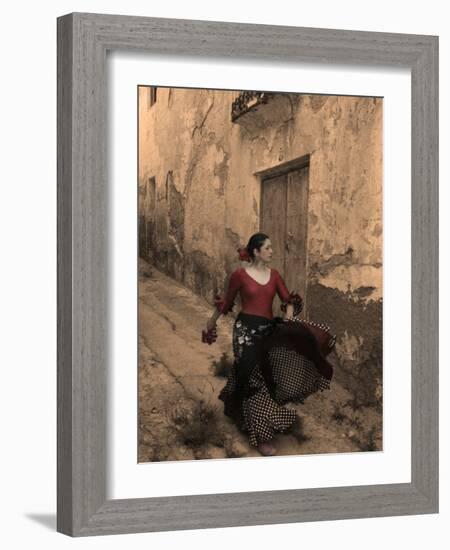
<point x="180" y="416"/>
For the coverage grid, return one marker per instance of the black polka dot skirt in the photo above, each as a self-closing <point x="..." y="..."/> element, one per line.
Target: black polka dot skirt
<point x="275" y="362"/>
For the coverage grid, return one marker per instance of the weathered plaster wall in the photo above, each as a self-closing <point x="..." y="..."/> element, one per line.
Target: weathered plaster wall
<point x="343" y="136"/>
<point x="185" y="145"/>
<point x="207" y="202"/>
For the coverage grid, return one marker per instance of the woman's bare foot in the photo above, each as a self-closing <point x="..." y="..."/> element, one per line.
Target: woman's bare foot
<point x="266" y="449"/>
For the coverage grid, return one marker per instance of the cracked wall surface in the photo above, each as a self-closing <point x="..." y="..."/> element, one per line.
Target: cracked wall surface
<point x="206" y="200"/>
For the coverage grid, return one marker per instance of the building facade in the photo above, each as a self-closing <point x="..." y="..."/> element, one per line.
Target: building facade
<point x="217" y="166"/>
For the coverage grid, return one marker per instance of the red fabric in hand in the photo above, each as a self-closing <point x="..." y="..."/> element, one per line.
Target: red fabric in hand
<point x="209" y="336"/>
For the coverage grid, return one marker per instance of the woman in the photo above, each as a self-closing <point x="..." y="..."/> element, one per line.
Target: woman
<point x="276" y="360"/>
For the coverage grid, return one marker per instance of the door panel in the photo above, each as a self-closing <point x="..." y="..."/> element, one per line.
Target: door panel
<point x="296" y="231"/>
<point x="284" y="214"/>
<point x="273" y="217"/>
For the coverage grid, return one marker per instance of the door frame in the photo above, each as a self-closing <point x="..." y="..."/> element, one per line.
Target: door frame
<point x="283" y="168"/>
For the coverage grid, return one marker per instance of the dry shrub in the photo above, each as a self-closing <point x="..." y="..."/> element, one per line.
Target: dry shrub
<point x="338" y="415"/>
<point x="355" y="420"/>
<point x="159" y="452"/>
<point x="356" y="402"/>
<point x="366" y="441"/>
<point x="222" y="367"/>
<point x="145" y="271"/>
<point x="197" y="425"/>
<point x="352" y="418"/>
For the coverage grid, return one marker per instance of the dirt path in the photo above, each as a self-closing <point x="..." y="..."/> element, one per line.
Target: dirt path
<point x="180" y="415"/>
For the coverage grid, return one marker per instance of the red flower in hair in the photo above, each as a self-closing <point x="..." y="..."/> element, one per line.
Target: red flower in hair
<point x="244" y="256"/>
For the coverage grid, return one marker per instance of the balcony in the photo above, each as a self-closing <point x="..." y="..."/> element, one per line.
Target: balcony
<point x="248" y="102"/>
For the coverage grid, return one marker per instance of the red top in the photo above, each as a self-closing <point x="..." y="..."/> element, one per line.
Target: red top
<point x="256" y="298"/>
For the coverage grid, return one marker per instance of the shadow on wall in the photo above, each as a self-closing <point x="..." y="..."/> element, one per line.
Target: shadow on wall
<point x="358" y="325"/>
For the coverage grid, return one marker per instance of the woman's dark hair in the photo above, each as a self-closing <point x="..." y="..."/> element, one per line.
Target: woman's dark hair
<point x="255" y="241"/>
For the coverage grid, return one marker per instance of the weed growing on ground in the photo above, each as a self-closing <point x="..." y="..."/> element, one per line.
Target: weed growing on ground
<point x="197" y="425"/>
<point x="145" y="271"/>
<point x="366" y="441"/>
<point x="352" y="420"/>
<point x="222" y="367"/>
<point x="355" y="403"/>
<point x="338" y="415"/>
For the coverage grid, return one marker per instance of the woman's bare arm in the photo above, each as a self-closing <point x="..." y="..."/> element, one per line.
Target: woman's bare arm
<point x="213" y="319"/>
<point x="223" y="306"/>
<point x="286" y="298"/>
<point x="289" y="313"/>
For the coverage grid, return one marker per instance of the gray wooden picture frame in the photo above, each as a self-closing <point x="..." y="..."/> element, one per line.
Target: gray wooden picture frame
<point x="83" y="41"/>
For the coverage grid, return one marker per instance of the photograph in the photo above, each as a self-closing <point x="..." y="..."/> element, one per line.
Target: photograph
<point x="260" y="266"/>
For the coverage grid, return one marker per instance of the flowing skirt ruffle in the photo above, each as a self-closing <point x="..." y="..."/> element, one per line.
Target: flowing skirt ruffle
<point x="275" y="362"/>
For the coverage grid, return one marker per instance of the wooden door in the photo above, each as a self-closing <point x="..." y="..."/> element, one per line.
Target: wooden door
<point x="273" y="217"/>
<point x="284" y="214"/>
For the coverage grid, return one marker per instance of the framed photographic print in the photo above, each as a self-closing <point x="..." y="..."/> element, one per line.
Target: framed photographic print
<point x="302" y="174"/>
<point x="232" y="347"/>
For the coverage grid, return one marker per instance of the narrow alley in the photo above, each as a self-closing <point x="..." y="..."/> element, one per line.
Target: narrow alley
<point x="181" y="417"/>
